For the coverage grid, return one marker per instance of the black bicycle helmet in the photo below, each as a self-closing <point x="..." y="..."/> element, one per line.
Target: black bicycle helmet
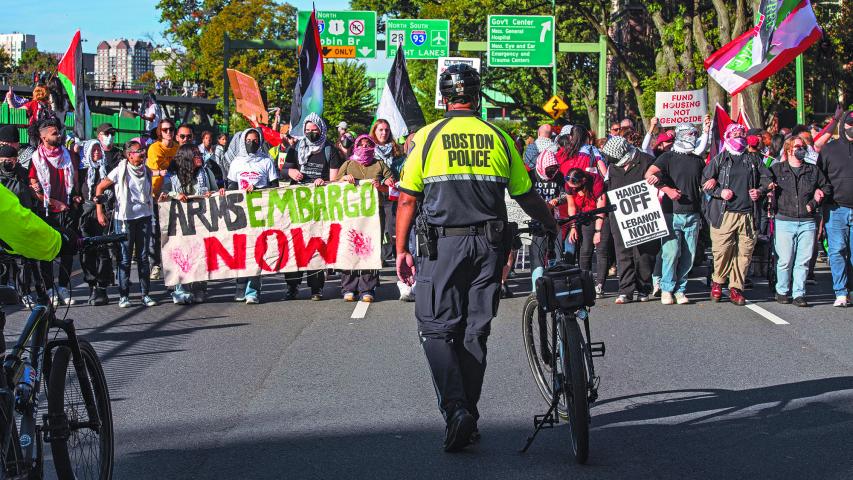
<point x="460" y="82"/>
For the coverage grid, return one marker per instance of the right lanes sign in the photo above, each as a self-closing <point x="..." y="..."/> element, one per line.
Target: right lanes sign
<point x="520" y="41"/>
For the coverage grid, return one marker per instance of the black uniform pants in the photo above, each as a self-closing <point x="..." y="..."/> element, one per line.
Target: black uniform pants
<point x="456" y="297"/>
<point x="96" y="263"/>
<point x="635" y="264"/>
<point x="587" y="247"/>
<point x="316" y="279"/>
<point x="66" y="262"/>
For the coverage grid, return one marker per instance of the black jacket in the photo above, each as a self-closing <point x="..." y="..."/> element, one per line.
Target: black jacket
<point x="718" y="168"/>
<point x="837" y="159"/>
<point x="794" y="193"/>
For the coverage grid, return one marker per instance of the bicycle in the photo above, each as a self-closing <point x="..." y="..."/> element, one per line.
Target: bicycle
<point x="559" y="354"/>
<point x="79" y="420"/>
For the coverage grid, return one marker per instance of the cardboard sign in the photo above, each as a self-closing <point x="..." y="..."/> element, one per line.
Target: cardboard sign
<point x="248" y="95"/>
<point x="638" y="213"/>
<point x="445" y="62"/>
<point x="673" y="108"/>
<point x="262" y="232"/>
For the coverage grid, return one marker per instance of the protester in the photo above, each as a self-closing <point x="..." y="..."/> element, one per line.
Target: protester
<point x="549" y="183"/>
<point x="362" y="166"/>
<point x="208" y="151"/>
<point x="9" y="136"/>
<point x="391" y="153"/>
<point x="838" y="169"/>
<point x="543" y="142"/>
<point x="160" y="155"/>
<point x="251" y="168"/>
<point x="312" y="160"/>
<point x="629" y="165"/>
<point x="152" y="113"/>
<point x="735" y="180"/>
<point x="96" y="263"/>
<point x="799" y="188"/>
<point x="678" y="173"/>
<point x="14" y="177"/>
<point x="585" y="192"/>
<point x="131" y="181"/>
<point x="37" y="107"/>
<point x="185" y="135"/>
<point x="53" y="178"/>
<point x="190" y="177"/>
<point x="106" y="137"/>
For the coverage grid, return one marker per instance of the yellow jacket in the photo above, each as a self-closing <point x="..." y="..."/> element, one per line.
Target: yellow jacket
<point x="24" y="232"/>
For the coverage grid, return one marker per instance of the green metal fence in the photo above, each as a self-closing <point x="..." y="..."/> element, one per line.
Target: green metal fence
<point x="126" y="128"/>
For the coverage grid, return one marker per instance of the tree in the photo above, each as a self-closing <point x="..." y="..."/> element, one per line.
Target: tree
<point x="5" y="61"/>
<point x="32" y="61"/>
<point x="347" y="96"/>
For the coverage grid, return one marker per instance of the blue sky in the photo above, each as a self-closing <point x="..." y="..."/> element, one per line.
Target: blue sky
<point x="54" y="23"/>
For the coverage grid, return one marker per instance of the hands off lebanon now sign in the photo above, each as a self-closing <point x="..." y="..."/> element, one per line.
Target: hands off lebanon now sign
<point x="263" y="232"/>
<point x="673" y="108"/>
<point x="638" y="213"/>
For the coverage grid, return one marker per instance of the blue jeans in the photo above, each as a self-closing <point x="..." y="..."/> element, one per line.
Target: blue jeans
<point x="678" y="251"/>
<point x="794" y="246"/>
<point x="138" y="237"/>
<point x="839" y="230"/>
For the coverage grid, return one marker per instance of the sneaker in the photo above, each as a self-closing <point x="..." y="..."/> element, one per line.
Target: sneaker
<point x="666" y="298"/>
<point x="681" y="299"/>
<point x="349" y="296"/>
<point x="841" y="301"/>
<point x="28" y="301"/>
<point x="599" y="290"/>
<point x="124" y="302"/>
<point x="367" y="297"/>
<point x="656" y="290"/>
<point x="736" y="297"/>
<point x="801" y="302"/>
<point x="100" y="297"/>
<point x="240" y="298"/>
<point x="252" y="300"/>
<point x="643" y="297"/>
<point x="182" y="298"/>
<point x="716" y="291"/>
<point x="783" y="299"/>
<point x="622" y="299"/>
<point x="148" y="301"/>
<point x="407" y="294"/>
<point x="91" y="296"/>
<point x="291" y="293"/>
<point x="64" y="296"/>
<point x="156" y="273"/>
<point x="316" y="296"/>
<point x="459" y="429"/>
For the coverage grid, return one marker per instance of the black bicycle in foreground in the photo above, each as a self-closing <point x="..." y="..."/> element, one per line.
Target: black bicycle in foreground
<point x="559" y="353"/>
<point x="78" y="424"/>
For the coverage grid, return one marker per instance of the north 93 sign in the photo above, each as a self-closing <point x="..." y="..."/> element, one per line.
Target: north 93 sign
<point x="418" y="37"/>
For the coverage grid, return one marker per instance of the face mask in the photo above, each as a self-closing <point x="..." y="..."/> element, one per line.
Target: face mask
<point x="736" y="144"/>
<point x="107" y="140"/>
<point x="8" y="166"/>
<point x="252" y="146"/>
<point x="800" y="154"/>
<point x="313" y="136"/>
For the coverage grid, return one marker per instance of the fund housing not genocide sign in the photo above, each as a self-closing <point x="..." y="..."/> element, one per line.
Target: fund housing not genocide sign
<point x="262" y="232"/>
<point x="638" y="213"/>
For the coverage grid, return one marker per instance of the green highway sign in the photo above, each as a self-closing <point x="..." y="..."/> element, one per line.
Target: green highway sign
<point x="520" y="41"/>
<point x="342" y="29"/>
<point x="421" y="39"/>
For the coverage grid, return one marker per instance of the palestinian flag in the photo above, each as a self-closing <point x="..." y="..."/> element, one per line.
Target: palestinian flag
<point x="70" y="73"/>
<point x="308" y="94"/>
<point x="785" y="28"/>
<point x="398" y="104"/>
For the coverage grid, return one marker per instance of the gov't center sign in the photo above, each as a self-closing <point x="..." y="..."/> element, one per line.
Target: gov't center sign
<point x="520" y="41"/>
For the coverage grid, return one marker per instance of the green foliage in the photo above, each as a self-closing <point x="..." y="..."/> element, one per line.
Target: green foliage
<point x="33" y="61"/>
<point x="5" y="61"/>
<point x="347" y="95"/>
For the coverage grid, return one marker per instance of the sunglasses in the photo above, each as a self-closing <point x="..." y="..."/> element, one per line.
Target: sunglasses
<point x="614" y="129"/>
<point x="574" y="179"/>
<point x="166" y="130"/>
<point x="184" y="137"/>
<point x="136" y="152"/>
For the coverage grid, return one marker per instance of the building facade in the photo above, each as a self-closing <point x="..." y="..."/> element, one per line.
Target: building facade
<point x="119" y="63"/>
<point x="15" y="43"/>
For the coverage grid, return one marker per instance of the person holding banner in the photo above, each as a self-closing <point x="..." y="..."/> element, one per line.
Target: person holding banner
<point x="251" y="168"/>
<point x="636" y="263"/>
<point x="735" y="180"/>
<point x="190" y="177"/>
<point x="160" y="155"/>
<point x="391" y="153"/>
<point x="678" y="174"/>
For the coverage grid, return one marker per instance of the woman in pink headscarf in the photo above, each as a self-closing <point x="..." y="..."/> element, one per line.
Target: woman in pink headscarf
<point x="363" y="167"/>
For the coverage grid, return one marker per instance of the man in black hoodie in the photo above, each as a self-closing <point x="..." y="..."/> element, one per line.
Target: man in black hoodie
<point x="838" y="167"/>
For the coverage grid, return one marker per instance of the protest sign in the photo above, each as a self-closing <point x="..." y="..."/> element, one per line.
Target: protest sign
<point x="248" y="95"/>
<point x="638" y="213"/>
<point x="243" y="234"/>
<point x="445" y="62"/>
<point x="673" y="108"/>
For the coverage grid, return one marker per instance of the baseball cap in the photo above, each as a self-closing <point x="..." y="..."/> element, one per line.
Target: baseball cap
<point x="667" y="136"/>
<point x="343" y="125"/>
<point x="106" y="127"/>
<point x="9" y="134"/>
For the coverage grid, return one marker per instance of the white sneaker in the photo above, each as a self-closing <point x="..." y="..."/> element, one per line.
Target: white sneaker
<point x="655" y="290"/>
<point x="64" y="296"/>
<point x="666" y="298"/>
<point x="407" y="293"/>
<point x="841" y="301"/>
<point x="681" y="299"/>
<point x="28" y="301"/>
<point x="124" y="302"/>
<point x="148" y="301"/>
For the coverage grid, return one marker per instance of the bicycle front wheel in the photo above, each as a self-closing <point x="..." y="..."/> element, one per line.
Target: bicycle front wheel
<point x="537" y="344"/>
<point x="87" y="452"/>
<point x="575" y="385"/>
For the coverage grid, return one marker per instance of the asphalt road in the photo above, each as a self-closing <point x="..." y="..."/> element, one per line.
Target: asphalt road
<point x="300" y="390"/>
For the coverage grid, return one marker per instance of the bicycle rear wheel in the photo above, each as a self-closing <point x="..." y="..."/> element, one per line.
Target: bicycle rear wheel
<point x="575" y="385"/>
<point x="87" y="453"/>
<point x="537" y="345"/>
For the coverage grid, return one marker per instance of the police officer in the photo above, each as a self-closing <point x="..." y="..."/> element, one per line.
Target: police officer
<point x="458" y="169"/>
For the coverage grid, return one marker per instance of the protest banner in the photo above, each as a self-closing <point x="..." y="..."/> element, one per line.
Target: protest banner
<point x="638" y="213"/>
<point x="248" y="95"/>
<point x="445" y="62"/>
<point x="243" y="234"/>
<point x="672" y="108"/>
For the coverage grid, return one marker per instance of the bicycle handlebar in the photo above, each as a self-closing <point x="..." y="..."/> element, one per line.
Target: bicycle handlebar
<point x="89" y="242"/>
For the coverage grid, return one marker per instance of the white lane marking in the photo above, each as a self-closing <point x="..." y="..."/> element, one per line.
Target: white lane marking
<point x="764" y="313"/>
<point x="360" y="310"/>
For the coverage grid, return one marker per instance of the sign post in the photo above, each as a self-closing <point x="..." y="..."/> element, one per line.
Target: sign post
<point x="346" y="34"/>
<point x="420" y="39"/>
<point x="520" y="41"/>
<point x="638" y="213"/>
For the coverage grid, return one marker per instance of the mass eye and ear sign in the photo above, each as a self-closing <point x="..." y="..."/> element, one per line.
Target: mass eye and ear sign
<point x="520" y="40"/>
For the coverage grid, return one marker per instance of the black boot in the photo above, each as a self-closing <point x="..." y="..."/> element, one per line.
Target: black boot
<point x="100" y="297"/>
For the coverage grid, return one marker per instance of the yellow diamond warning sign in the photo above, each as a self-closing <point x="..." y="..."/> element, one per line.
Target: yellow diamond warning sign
<point x="555" y="107"/>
